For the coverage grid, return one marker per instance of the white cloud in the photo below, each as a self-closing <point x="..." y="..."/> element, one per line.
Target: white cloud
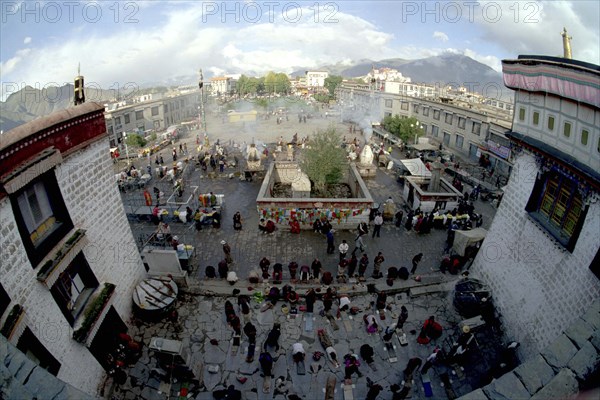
<point x="183" y="43"/>
<point x="440" y="36"/>
<point x="534" y="27"/>
<point x="27" y="40"/>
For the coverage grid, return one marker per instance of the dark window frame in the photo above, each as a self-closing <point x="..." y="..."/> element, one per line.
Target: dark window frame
<point x="138" y="113"/>
<point x="29" y="343"/>
<point x="63" y="225"/>
<point x="545" y="205"/>
<point x="4" y="301"/>
<point x="78" y="272"/>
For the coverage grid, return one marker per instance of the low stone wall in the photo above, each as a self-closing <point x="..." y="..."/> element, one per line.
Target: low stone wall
<point x="559" y="371"/>
<point x="342" y="213"/>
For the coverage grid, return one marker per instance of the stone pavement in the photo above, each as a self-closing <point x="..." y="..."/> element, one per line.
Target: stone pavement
<point x="202" y="317"/>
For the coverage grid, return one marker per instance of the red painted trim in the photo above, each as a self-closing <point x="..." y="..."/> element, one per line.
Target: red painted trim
<point x="66" y="136"/>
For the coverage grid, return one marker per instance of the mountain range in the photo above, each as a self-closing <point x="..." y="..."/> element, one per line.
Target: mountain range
<point x="448" y="68"/>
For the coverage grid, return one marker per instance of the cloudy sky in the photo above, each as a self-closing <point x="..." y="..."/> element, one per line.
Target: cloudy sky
<point x="123" y="42"/>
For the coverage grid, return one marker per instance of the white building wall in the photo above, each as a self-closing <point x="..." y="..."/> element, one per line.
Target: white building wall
<point x="92" y="198"/>
<point x="539" y="287"/>
<point x="580" y="117"/>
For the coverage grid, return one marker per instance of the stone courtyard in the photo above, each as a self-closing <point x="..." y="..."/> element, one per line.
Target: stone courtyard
<point x="201" y="306"/>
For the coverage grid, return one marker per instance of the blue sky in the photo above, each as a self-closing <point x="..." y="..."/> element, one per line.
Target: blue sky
<point x="124" y="42"/>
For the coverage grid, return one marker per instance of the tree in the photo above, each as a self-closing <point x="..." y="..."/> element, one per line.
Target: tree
<point x="404" y="128"/>
<point x="332" y="82"/>
<point x="325" y="160"/>
<point x="322" y="98"/>
<point x="277" y="83"/>
<point x="135" y="140"/>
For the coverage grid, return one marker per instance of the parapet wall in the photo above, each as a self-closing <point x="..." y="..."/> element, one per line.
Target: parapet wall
<point x="342" y="213"/>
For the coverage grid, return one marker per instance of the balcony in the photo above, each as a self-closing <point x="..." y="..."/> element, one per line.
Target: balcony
<point x="88" y="323"/>
<point x="14" y="325"/>
<point x="52" y="268"/>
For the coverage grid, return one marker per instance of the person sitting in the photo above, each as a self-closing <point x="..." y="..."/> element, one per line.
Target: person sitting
<point x="344" y="303"/>
<point x="294" y="226"/>
<point x="371" y="323"/>
<point x="317" y="225"/>
<point x="270" y="227"/>
<point x="232" y="278"/>
<point x="262" y="225"/>
<point x="327" y="278"/>
<point x="298" y="353"/>
<point x="292" y="297"/>
<point x="273" y="295"/>
<point x="304" y="272"/>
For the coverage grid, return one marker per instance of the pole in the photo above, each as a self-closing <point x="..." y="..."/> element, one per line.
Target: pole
<point x="126" y="149"/>
<point x="202" y="112"/>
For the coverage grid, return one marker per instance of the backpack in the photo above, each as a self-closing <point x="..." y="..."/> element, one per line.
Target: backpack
<point x="265" y="357"/>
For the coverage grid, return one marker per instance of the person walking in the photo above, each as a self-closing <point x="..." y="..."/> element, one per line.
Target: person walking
<point x="343" y="249"/>
<point x="264" y="265"/>
<point x="358" y="245"/>
<point x="415" y="261"/>
<point x="227" y="252"/>
<point x="237" y="221"/>
<point x="377" y="222"/>
<point x="330" y="242"/>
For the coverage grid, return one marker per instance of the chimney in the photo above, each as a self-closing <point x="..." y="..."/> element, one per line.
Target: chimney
<point x="436" y="170"/>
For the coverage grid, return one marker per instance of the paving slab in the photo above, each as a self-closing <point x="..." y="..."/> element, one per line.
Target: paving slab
<point x="559" y="352"/>
<point x="563" y="386"/>
<point x="579" y="332"/>
<point x="534" y="373"/>
<point x="585" y="362"/>
<point x="507" y="387"/>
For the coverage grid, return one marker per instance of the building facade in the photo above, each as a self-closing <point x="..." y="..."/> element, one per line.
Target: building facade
<point x="66" y="280"/>
<point x="222" y="85"/>
<point x="469" y="129"/>
<point x="149" y="114"/>
<point x="316" y="79"/>
<point x="541" y="256"/>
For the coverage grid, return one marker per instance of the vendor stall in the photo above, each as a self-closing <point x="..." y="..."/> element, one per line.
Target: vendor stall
<point x="465" y="239"/>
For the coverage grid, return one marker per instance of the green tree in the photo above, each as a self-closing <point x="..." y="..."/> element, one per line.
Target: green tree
<point x="322" y="98"/>
<point x="325" y="160"/>
<point x="277" y="83"/>
<point x="404" y="128"/>
<point x="135" y="140"/>
<point x="332" y="82"/>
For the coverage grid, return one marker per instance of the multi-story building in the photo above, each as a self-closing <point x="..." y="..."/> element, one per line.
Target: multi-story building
<point x="469" y="129"/>
<point x="69" y="260"/>
<point x="222" y="85"/>
<point x="541" y="256"/>
<point x="385" y="74"/>
<point x="316" y="79"/>
<point x="150" y="114"/>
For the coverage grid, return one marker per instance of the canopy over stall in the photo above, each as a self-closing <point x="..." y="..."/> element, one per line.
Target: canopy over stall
<point x="464" y="239"/>
<point x="416" y="167"/>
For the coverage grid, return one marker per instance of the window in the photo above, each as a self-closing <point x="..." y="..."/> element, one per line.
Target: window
<point x="118" y="121"/>
<point x="154" y="111"/>
<point x="557" y="205"/>
<point x="416" y="108"/>
<point x="127" y="119"/>
<point x="476" y="128"/>
<point x="436" y="114"/>
<point x="461" y="122"/>
<point x="426" y="111"/>
<point x="459" y="141"/>
<point x="35" y="351"/>
<point x="567" y="129"/>
<point x="165" y="108"/>
<point x="551" y="123"/>
<point x="4" y="301"/>
<point x="536" y="118"/>
<point x="584" y="136"/>
<point x="434" y="130"/>
<point x="388" y="103"/>
<point x="521" y="113"/>
<point x="446" y="138"/>
<point x="74" y="287"/>
<point x="41" y="215"/>
<point x="387" y="114"/>
<point x="404" y="106"/>
<point x="448" y="119"/>
<point x="139" y="115"/>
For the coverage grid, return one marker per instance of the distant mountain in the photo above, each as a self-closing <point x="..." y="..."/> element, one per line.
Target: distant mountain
<point x="30" y="103"/>
<point x="448" y="68"/>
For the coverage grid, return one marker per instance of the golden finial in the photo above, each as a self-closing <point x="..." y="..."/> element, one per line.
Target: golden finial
<point x="566" y="44"/>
